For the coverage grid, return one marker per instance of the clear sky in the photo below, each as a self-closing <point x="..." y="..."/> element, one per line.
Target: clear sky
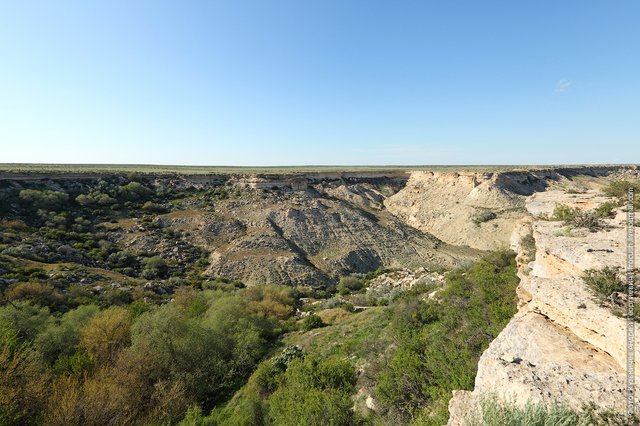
<point x="333" y="82"/>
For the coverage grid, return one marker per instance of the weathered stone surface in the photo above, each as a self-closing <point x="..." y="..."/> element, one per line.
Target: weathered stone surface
<point x="445" y="204"/>
<point x="562" y="345"/>
<point x="305" y="237"/>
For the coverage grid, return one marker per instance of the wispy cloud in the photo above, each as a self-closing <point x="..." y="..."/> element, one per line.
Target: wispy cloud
<point x="563" y="85"/>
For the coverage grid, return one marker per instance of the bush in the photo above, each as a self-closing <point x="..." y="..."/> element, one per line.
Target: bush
<point x="587" y="219"/>
<point x="528" y="244"/>
<point x="24" y="251"/>
<point x="39" y="293"/>
<point x="106" y="334"/>
<point x="620" y="188"/>
<point x="270" y="300"/>
<point x="578" y="218"/>
<point x="134" y="191"/>
<point x="23" y="319"/>
<point x="314" y="392"/>
<point x="152" y="207"/>
<point x="95" y="199"/>
<point x="122" y="259"/>
<point x="564" y="213"/>
<point x="47" y="199"/>
<point x="349" y="284"/>
<point x="211" y="354"/>
<point x="61" y="337"/>
<point x="288" y="354"/>
<point x="154" y="267"/>
<point x="605" y="210"/>
<point x="24" y="383"/>
<point x="604" y="282"/>
<point x="312" y="321"/>
<point x="483" y="216"/>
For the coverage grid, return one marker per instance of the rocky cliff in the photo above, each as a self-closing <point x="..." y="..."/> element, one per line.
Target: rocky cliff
<point x="299" y="230"/>
<point x="563" y="344"/>
<point x="476" y="209"/>
<point x="312" y="228"/>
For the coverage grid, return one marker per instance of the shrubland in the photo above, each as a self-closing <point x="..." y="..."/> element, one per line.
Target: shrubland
<point x="95" y="332"/>
<point x="93" y="365"/>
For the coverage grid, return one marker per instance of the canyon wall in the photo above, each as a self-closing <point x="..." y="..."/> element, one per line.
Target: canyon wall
<point x="563" y="345"/>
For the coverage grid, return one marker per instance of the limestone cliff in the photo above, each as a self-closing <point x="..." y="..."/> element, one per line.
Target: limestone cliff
<point x="475" y="209"/>
<point x="562" y="345"/>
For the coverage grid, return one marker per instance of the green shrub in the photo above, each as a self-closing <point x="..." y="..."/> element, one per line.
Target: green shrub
<point x="211" y="353"/>
<point x="95" y="199"/>
<point x="528" y="244"/>
<point x="312" y="321"/>
<point x="134" y="191"/>
<point x="606" y="210"/>
<point x="23" y="319"/>
<point x="75" y="364"/>
<point x="483" y="216"/>
<point x="46" y="199"/>
<point x="152" y="207"/>
<point x="195" y="417"/>
<point x="122" y="259"/>
<point x="620" y="188"/>
<point x="440" y="342"/>
<point x="314" y="392"/>
<point x="587" y="219"/>
<point x="349" y="284"/>
<point x="154" y="267"/>
<point x="287" y="355"/>
<point x="42" y="294"/>
<point x="24" y="251"/>
<point x="578" y="218"/>
<point x="604" y="282"/>
<point x="61" y="337"/>
<point x="564" y="213"/>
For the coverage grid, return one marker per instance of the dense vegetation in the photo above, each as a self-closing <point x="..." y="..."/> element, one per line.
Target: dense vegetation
<point x="440" y="341"/>
<point x="95" y="332"/>
<point x="437" y="345"/>
<point x="133" y="364"/>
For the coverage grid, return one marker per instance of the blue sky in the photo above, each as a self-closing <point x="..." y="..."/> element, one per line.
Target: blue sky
<point x="320" y="82"/>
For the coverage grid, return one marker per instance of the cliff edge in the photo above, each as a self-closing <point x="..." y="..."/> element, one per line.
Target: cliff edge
<point x="563" y="344"/>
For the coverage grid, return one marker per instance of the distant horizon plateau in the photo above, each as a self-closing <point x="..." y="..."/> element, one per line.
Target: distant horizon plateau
<point x="202" y="169"/>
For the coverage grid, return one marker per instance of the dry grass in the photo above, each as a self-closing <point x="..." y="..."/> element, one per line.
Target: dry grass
<point x="334" y="315"/>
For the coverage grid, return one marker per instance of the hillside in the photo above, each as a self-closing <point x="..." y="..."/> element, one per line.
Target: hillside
<point x="371" y="295"/>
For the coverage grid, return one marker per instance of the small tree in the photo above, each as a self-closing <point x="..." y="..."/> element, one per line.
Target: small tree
<point x="106" y="334"/>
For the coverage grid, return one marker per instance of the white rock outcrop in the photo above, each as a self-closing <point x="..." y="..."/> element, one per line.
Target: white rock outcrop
<point x="561" y="345"/>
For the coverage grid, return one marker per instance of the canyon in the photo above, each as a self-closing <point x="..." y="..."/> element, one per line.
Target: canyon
<point x="308" y="230"/>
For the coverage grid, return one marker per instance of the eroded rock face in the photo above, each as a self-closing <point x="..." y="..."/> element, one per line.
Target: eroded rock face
<point x="391" y="284"/>
<point x="446" y="204"/>
<point x="451" y="205"/>
<point x="306" y="237"/>
<point x="562" y="345"/>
